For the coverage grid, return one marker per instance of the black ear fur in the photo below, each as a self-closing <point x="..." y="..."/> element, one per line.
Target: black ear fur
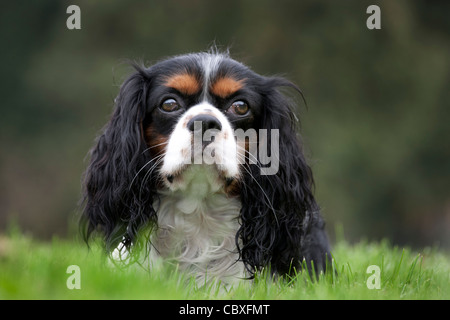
<point x="280" y="221"/>
<point x="117" y="200"/>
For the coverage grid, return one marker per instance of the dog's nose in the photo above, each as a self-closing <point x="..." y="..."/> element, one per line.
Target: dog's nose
<point x="204" y="122"/>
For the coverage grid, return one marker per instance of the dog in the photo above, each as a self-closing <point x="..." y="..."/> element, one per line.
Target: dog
<point x="202" y="154"/>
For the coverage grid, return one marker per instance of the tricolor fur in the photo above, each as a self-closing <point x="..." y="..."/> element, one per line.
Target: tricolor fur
<point x="222" y="217"/>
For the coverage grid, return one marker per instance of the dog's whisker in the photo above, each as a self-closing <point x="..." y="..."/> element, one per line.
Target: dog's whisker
<point x="155" y="146"/>
<point x="143" y="167"/>
<point x="267" y="199"/>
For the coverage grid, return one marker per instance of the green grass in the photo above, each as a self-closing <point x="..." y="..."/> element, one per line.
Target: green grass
<point x="31" y="269"/>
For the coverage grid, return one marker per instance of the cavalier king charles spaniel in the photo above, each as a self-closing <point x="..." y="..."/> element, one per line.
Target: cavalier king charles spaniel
<point x="201" y="155"/>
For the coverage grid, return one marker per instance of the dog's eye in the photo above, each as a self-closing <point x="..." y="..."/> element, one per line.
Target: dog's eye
<point x="239" y="107"/>
<point x="170" y="105"/>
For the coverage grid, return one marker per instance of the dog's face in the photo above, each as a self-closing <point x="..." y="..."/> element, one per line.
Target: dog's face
<point x="206" y="123"/>
<point x="194" y="106"/>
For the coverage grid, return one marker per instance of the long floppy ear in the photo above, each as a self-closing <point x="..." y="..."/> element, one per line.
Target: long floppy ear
<point x="280" y="221"/>
<point x="118" y="195"/>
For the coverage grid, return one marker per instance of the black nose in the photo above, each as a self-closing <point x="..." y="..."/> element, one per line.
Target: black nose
<point x="204" y="122"/>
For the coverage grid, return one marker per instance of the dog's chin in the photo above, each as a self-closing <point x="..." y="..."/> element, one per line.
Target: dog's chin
<point x="199" y="180"/>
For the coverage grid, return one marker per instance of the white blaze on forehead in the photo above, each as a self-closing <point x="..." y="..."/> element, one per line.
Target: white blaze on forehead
<point x="210" y="64"/>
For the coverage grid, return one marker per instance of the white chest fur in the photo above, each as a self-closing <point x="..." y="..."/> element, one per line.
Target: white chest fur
<point x="197" y="227"/>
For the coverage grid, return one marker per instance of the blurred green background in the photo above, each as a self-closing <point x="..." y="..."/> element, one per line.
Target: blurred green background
<point x="376" y="125"/>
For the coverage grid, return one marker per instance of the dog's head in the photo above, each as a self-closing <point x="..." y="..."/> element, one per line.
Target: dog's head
<point x="203" y="110"/>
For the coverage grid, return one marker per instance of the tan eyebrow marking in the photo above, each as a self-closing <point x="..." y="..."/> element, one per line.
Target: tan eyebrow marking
<point x="185" y="83"/>
<point x="225" y="87"/>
